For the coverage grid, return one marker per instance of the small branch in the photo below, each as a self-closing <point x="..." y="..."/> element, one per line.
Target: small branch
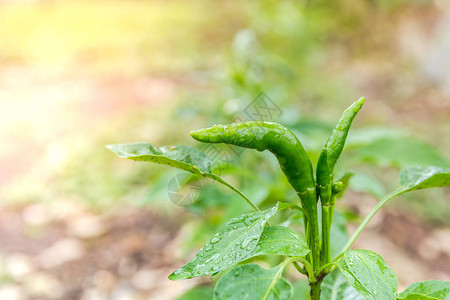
<point x="308" y="267"/>
<point x="299" y="268"/>
<point x="369" y="217"/>
<point x="323" y="271"/>
<point x="218" y="179"/>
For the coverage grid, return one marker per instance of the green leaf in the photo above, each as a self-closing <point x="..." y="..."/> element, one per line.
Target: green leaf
<point x="368" y="273"/>
<point x="252" y="282"/>
<point x="233" y="242"/>
<point x="416" y="178"/>
<point x="182" y="157"/>
<point x="198" y="293"/>
<point x="432" y="289"/>
<point x="402" y="152"/>
<point x="301" y="289"/>
<point x="418" y="297"/>
<point x="280" y="240"/>
<point x="336" y="287"/>
<point x="365" y="183"/>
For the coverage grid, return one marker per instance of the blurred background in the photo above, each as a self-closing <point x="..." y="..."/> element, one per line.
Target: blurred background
<point x="76" y="222"/>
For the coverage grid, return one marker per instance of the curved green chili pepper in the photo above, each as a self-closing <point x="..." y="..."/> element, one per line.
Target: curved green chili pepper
<point x="266" y="136"/>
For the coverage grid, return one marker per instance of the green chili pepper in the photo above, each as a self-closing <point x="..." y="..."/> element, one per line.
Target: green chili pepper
<point x="333" y="149"/>
<point x="325" y="173"/>
<point x="267" y="136"/>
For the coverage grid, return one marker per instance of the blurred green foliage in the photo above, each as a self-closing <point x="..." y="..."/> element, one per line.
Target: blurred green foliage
<point x="307" y="56"/>
<point x="297" y="52"/>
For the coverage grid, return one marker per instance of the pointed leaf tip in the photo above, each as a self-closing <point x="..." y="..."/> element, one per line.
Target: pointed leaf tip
<point x="180" y="275"/>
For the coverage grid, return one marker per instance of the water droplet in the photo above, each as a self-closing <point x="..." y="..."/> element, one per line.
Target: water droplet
<point x="215" y="240"/>
<point x="247" y="241"/>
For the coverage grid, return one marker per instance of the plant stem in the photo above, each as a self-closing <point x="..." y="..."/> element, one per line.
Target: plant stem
<point x="308" y="241"/>
<point x="218" y="179"/>
<point x="369" y="217"/>
<point x="314" y="236"/>
<point x="308" y="200"/>
<point x="326" y="224"/>
<point x="324" y="267"/>
<point x="299" y="269"/>
<point x="315" y="289"/>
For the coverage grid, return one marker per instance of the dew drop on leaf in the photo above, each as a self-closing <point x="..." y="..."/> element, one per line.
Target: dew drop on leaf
<point x="214" y="240"/>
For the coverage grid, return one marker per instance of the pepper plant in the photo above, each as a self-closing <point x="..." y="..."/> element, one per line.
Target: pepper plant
<point x="359" y="274"/>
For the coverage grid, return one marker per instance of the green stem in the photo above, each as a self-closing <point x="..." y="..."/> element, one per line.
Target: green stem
<point x="368" y="218"/>
<point x="307" y="234"/>
<point x="218" y="179"/>
<point x="308" y="200"/>
<point x="330" y="264"/>
<point x="314" y="236"/>
<point x="315" y="290"/>
<point x="278" y="275"/>
<point x="326" y="224"/>
<point x="327" y="220"/>
<point x="299" y="268"/>
<point x="333" y="201"/>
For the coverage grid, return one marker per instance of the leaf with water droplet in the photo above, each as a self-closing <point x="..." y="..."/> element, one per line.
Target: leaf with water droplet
<point x="185" y="158"/>
<point x="369" y="274"/>
<point x="416" y="178"/>
<point x="252" y="282"/>
<point x="280" y="240"/>
<point x="233" y="243"/>
<point x="182" y="157"/>
<point x="427" y="290"/>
